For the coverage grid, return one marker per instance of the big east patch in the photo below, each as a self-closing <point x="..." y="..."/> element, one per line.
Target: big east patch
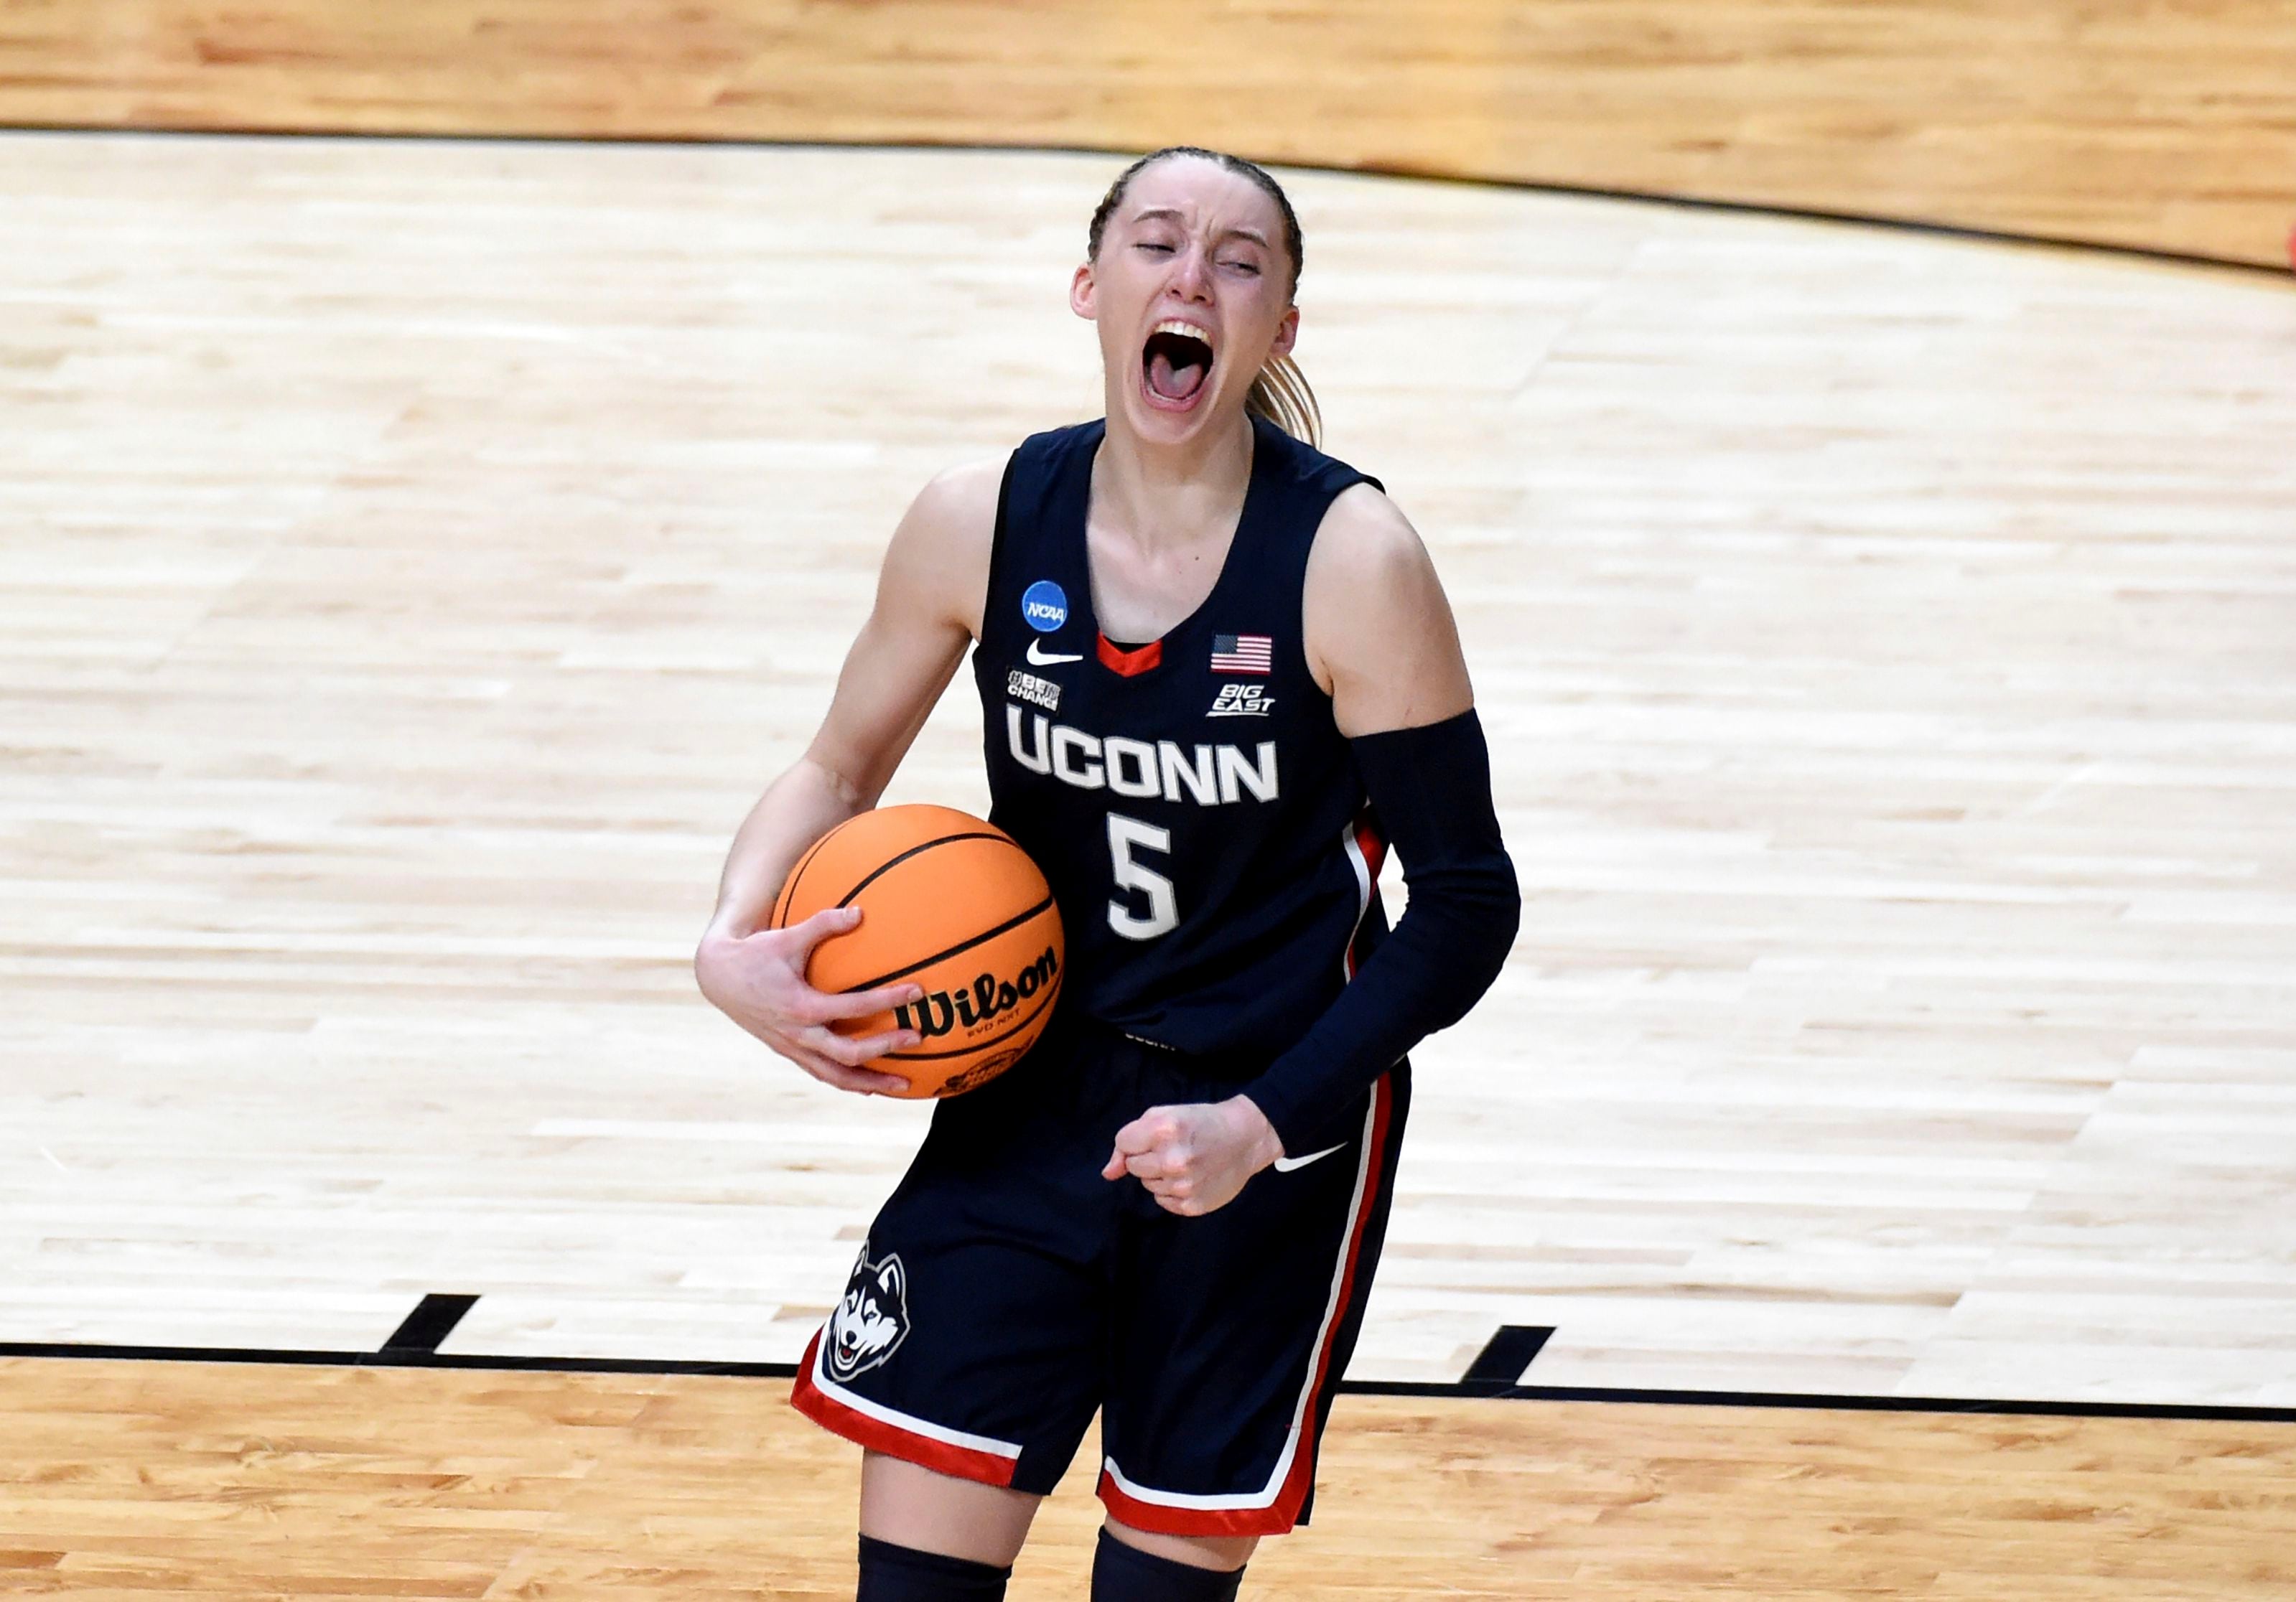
<point x="1241" y="700"/>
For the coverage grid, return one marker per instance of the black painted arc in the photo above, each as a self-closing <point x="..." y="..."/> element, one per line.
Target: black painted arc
<point x="433" y="1320"/>
<point x="1821" y="1401"/>
<point x="1504" y="1356"/>
<point x="787" y="899"/>
<point x="895" y="861"/>
<point x="389" y="1357"/>
<point x="1375" y="169"/>
<point x="963" y="946"/>
<point x="1813" y="1401"/>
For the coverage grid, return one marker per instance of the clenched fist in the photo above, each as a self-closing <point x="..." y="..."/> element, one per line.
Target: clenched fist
<point x="1194" y="1159"/>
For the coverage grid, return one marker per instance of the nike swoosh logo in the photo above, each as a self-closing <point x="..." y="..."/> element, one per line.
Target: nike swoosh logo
<point x="1286" y="1165"/>
<point x="1039" y="658"/>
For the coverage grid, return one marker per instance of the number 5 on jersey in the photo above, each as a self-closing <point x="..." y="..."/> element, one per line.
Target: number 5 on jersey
<point x="1125" y="837"/>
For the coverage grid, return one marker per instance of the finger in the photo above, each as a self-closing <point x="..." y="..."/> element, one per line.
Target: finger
<point x="850" y="1050"/>
<point x="866" y="1047"/>
<point x="822" y="925"/>
<point x="1146" y="1164"/>
<point x="1147" y="1130"/>
<point x="1114" y="1169"/>
<point x="1134" y="1137"/>
<point x="860" y="1080"/>
<point x="861" y="1003"/>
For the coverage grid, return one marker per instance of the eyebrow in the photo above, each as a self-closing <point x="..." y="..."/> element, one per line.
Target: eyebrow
<point x="1166" y="213"/>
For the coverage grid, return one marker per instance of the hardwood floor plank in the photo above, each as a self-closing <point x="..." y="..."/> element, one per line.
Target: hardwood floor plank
<point x="2170" y="127"/>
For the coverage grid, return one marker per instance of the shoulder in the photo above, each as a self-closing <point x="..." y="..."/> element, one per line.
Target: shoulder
<point x="963" y="493"/>
<point x="938" y="555"/>
<point x="1364" y="547"/>
<point x="1378" y="630"/>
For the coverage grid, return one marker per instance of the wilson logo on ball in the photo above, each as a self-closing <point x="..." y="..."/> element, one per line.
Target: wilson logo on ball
<point x="984" y="1000"/>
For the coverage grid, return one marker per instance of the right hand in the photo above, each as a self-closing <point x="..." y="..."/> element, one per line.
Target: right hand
<point x="758" y="981"/>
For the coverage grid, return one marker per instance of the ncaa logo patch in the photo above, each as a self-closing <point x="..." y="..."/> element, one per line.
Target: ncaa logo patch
<point x="1044" y="606"/>
<point x="872" y="1319"/>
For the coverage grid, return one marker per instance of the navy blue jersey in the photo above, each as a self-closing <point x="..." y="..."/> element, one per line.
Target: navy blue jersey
<point x="1198" y="814"/>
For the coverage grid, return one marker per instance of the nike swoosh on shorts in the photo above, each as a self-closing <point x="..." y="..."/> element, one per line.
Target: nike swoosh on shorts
<point x="1038" y="658"/>
<point x="1286" y="1165"/>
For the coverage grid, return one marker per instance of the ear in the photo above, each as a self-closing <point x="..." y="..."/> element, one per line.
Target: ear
<point x="1287" y="333"/>
<point x="1082" y="296"/>
<point x="894" y="1280"/>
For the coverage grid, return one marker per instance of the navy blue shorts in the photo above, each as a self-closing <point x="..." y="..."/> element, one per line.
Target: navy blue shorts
<point x="1007" y="1292"/>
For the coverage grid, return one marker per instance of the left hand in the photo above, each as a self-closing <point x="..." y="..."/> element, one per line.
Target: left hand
<point x="1194" y="1159"/>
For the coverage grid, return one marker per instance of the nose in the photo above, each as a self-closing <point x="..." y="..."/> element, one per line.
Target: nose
<point x="1192" y="275"/>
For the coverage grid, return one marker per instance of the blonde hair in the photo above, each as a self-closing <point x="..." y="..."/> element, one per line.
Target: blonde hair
<point x="1280" y="393"/>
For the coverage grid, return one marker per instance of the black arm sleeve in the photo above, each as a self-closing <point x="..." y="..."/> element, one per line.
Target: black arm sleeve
<point x="1431" y="789"/>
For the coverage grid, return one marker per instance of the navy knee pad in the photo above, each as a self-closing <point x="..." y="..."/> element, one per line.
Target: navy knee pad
<point x="1126" y="1573"/>
<point x="891" y="1573"/>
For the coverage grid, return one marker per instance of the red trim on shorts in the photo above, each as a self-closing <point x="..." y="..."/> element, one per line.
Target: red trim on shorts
<point x="891" y="1439"/>
<point x="1131" y="662"/>
<point x="1280" y="1515"/>
<point x="1160" y="1520"/>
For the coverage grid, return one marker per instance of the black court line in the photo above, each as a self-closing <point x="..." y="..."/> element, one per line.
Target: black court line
<point x="1385" y="170"/>
<point x="1457" y="1391"/>
<point x="1499" y="1365"/>
<point x="434" y="1318"/>
<point x="391" y="1358"/>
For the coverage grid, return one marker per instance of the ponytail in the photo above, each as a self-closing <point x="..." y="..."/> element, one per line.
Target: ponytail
<point x="1280" y="394"/>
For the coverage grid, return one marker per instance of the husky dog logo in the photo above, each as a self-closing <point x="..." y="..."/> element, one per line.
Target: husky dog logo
<point x="872" y="1319"/>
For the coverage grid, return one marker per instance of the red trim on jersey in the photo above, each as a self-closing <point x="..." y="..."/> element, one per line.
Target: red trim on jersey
<point x="891" y="1439"/>
<point x="1374" y="855"/>
<point x="1131" y="662"/>
<point x="1375" y="850"/>
<point x="1284" y="1512"/>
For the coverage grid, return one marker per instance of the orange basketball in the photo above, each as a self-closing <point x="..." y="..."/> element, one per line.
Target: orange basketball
<point x="948" y="902"/>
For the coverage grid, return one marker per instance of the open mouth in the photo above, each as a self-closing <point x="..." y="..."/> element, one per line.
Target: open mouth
<point x="1174" y="367"/>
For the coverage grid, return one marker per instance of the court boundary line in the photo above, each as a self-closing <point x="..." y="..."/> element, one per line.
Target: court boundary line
<point x="2155" y="254"/>
<point x="1446" y="1391"/>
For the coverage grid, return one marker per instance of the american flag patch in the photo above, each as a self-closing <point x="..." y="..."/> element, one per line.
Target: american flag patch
<point x="1243" y="653"/>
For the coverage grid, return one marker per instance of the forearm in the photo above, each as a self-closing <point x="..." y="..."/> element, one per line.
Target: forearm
<point x="1431" y="789"/>
<point x="797" y="809"/>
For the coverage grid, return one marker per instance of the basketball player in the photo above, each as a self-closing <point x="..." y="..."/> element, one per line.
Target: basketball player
<point x="1218" y="675"/>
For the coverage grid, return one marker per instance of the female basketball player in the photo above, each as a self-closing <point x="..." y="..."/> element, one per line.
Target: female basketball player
<point x="1219" y="674"/>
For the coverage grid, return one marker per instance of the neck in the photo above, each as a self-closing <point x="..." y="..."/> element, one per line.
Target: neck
<point x="1163" y="494"/>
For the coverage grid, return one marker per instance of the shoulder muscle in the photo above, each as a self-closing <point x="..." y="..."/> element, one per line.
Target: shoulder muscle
<point x="1380" y="635"/>
<point x="937" y="565"/>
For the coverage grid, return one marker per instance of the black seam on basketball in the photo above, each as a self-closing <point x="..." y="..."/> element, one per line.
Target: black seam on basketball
<point x="787" y="899"/>
<point x="959" y="949"/>
<point x="1051" y="991"/>
<point x="882" y="869"/>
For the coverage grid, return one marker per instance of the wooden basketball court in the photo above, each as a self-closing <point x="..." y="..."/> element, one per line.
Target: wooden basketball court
<point x="1872" y="1176"/>
<point x="131" y="1479"/>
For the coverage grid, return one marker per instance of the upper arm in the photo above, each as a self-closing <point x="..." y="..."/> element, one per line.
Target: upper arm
<point x="1379" y="631"/>
<point x="930" y="593"/>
